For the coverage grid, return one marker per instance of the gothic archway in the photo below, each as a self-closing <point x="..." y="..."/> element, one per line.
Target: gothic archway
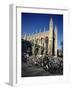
<point x="42" y="46"/>
<point x="46" y="45"/>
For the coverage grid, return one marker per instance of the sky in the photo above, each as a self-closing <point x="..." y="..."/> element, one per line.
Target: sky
<point x="34" y="22"/>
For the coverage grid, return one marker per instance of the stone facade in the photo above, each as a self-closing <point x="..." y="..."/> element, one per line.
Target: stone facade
<point x="46" y="41"/>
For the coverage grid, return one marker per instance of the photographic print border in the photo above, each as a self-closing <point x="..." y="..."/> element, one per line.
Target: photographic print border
<point x="15" y="45"/>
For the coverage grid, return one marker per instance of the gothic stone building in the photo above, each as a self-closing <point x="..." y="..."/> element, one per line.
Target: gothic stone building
<point x="44" y="42"/>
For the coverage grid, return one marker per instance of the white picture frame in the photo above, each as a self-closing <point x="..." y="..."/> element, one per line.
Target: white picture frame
<point x="15" y="46"/>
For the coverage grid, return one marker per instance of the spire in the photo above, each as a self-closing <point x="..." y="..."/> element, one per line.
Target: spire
<point x="44" y="29"/>
<point x="40" y="30"/>
<point x="55" y="29"/>
<point x="51" y="28"/>
<point x="33" y="33"/>
<point x="51" y="22"/>
<point x="36" y="31"/>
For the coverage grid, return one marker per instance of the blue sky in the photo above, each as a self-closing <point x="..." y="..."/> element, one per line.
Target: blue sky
<point x="33" y="22"/>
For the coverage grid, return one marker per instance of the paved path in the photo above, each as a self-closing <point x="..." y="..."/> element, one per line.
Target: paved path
<point x="31" y="70"/>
